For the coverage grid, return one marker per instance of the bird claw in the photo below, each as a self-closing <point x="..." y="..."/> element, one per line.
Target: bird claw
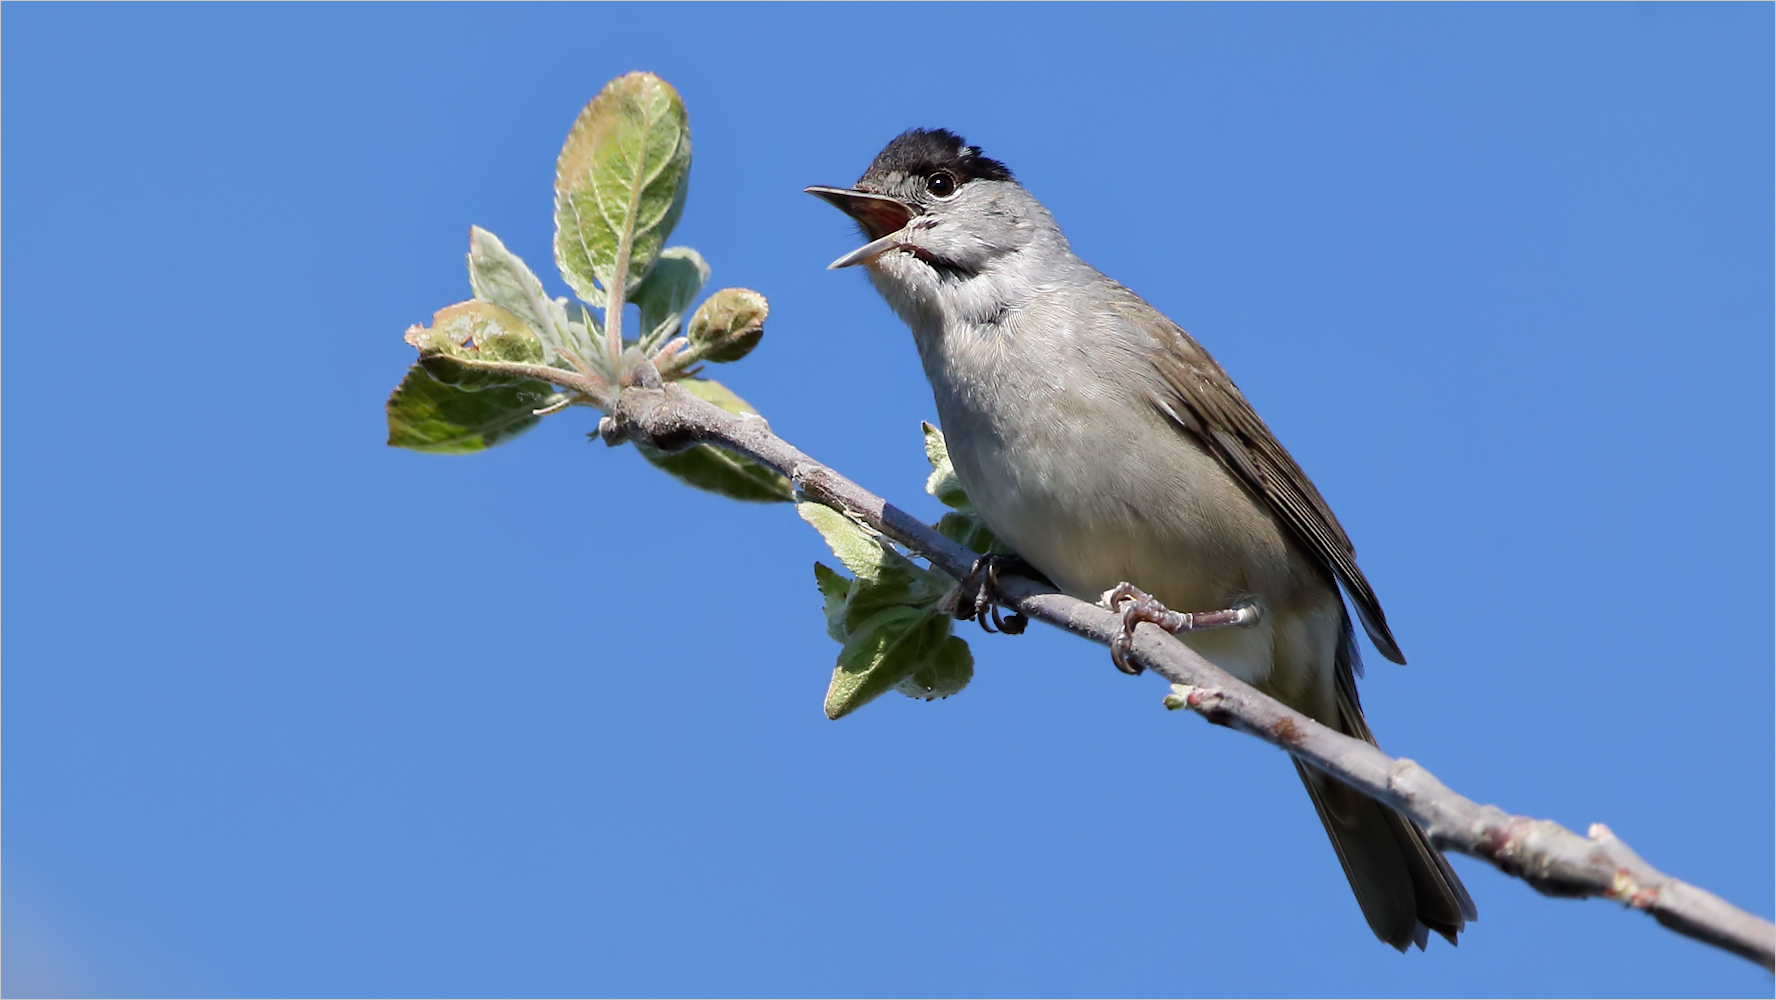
<point x="1137" y="606"/>
<point x="976" y="598"/>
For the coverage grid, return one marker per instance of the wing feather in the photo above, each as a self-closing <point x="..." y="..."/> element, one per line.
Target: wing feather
<point x="1201" y="399"/>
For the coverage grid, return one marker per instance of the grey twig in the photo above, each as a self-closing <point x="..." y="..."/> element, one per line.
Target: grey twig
<point x="1551" y="858"/>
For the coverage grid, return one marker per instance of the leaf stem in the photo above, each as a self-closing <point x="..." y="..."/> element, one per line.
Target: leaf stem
<point x="617" y="293"/>
<point x="588" y="385"/>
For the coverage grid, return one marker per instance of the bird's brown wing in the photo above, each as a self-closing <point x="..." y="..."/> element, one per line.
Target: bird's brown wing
<point x="1202" y="400"/>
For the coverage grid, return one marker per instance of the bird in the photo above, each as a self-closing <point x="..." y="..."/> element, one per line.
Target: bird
<point x="1106" y="448"/>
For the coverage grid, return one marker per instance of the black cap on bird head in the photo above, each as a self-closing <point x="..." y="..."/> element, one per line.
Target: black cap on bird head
<point x="921" y="152"/>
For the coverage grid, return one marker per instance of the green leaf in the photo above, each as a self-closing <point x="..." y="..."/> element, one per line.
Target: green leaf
<point x="866" y="599"/>
<point x="887" y="619"/>
<point x="727" y="326"/>
<point x="718" y="471"/>
<point x="442" y="406"/>
<point x="667" y="291"/>
<point x="894" y="634"/>
<point x="479" y="331"/>
<point x="948" y="672"/>
<point x="856" y="548"/>
<point x="621" y="180"/>
<point x="834" y="589"/>
<point x="942" y="483"/>
<point x="427" y="415"/>
<point x="891" y="646"/>
<point x="863" y="671"/>
<point x="885" y="577"/>
<point x="497" y="276"/>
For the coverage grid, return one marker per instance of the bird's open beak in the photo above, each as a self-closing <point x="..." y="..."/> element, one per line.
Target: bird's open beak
<point x="883" y="219"/>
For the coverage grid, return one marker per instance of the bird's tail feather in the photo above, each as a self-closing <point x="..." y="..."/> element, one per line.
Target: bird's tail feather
<point x="1404" y="885"/>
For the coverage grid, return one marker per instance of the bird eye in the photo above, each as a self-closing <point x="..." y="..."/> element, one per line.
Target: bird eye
<point x="941" y="184"/>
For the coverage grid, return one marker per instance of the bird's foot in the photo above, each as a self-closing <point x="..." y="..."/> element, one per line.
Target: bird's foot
<point x="977" y="596"/>
<point x="1137" y="606"/>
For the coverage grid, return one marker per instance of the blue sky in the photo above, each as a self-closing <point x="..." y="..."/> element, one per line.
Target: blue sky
<point x="288" y="712"/>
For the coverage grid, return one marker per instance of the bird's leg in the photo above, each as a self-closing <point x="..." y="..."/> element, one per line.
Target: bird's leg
<point x="977" y="595"/>
<point x="1137" y="606"/>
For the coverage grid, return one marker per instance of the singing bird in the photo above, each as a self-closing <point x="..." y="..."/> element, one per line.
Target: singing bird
<point x="1103" y="445"/>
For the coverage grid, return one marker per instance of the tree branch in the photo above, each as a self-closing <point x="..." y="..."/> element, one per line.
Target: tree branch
<point x="1552" y="859"/>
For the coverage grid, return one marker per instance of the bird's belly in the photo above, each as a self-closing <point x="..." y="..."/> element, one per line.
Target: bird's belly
<point x="1091" y="509"/>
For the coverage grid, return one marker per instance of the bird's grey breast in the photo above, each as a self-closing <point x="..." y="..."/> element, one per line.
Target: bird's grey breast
<point x="1046" y="401"/>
